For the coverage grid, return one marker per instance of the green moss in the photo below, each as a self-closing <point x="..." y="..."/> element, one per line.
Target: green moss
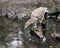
<point x="52" y="9"/>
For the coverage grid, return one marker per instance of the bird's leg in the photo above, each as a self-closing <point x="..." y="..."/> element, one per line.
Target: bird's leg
<point x="44" y="39"/>
<point x="35" y="24"/>
<point x="42" y="35"/>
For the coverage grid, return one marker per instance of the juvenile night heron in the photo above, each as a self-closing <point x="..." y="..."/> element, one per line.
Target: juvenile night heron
<point x="35" y="15"/>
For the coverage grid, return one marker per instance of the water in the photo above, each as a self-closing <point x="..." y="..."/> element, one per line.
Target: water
<point x="17" y="42"/>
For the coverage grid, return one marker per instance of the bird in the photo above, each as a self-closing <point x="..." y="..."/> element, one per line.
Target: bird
<point x="35" y="15"/>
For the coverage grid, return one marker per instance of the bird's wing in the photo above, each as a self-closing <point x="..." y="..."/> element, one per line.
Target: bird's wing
<point x="30" y="21"/>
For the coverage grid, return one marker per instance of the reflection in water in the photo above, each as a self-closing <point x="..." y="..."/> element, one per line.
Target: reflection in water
<point x="17" y="41"/>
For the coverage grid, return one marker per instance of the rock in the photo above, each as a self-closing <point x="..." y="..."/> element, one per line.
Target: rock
<point x="55" y="35"/>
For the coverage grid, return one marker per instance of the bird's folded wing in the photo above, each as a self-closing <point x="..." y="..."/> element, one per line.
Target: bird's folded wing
<point x="29" y="22"/>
